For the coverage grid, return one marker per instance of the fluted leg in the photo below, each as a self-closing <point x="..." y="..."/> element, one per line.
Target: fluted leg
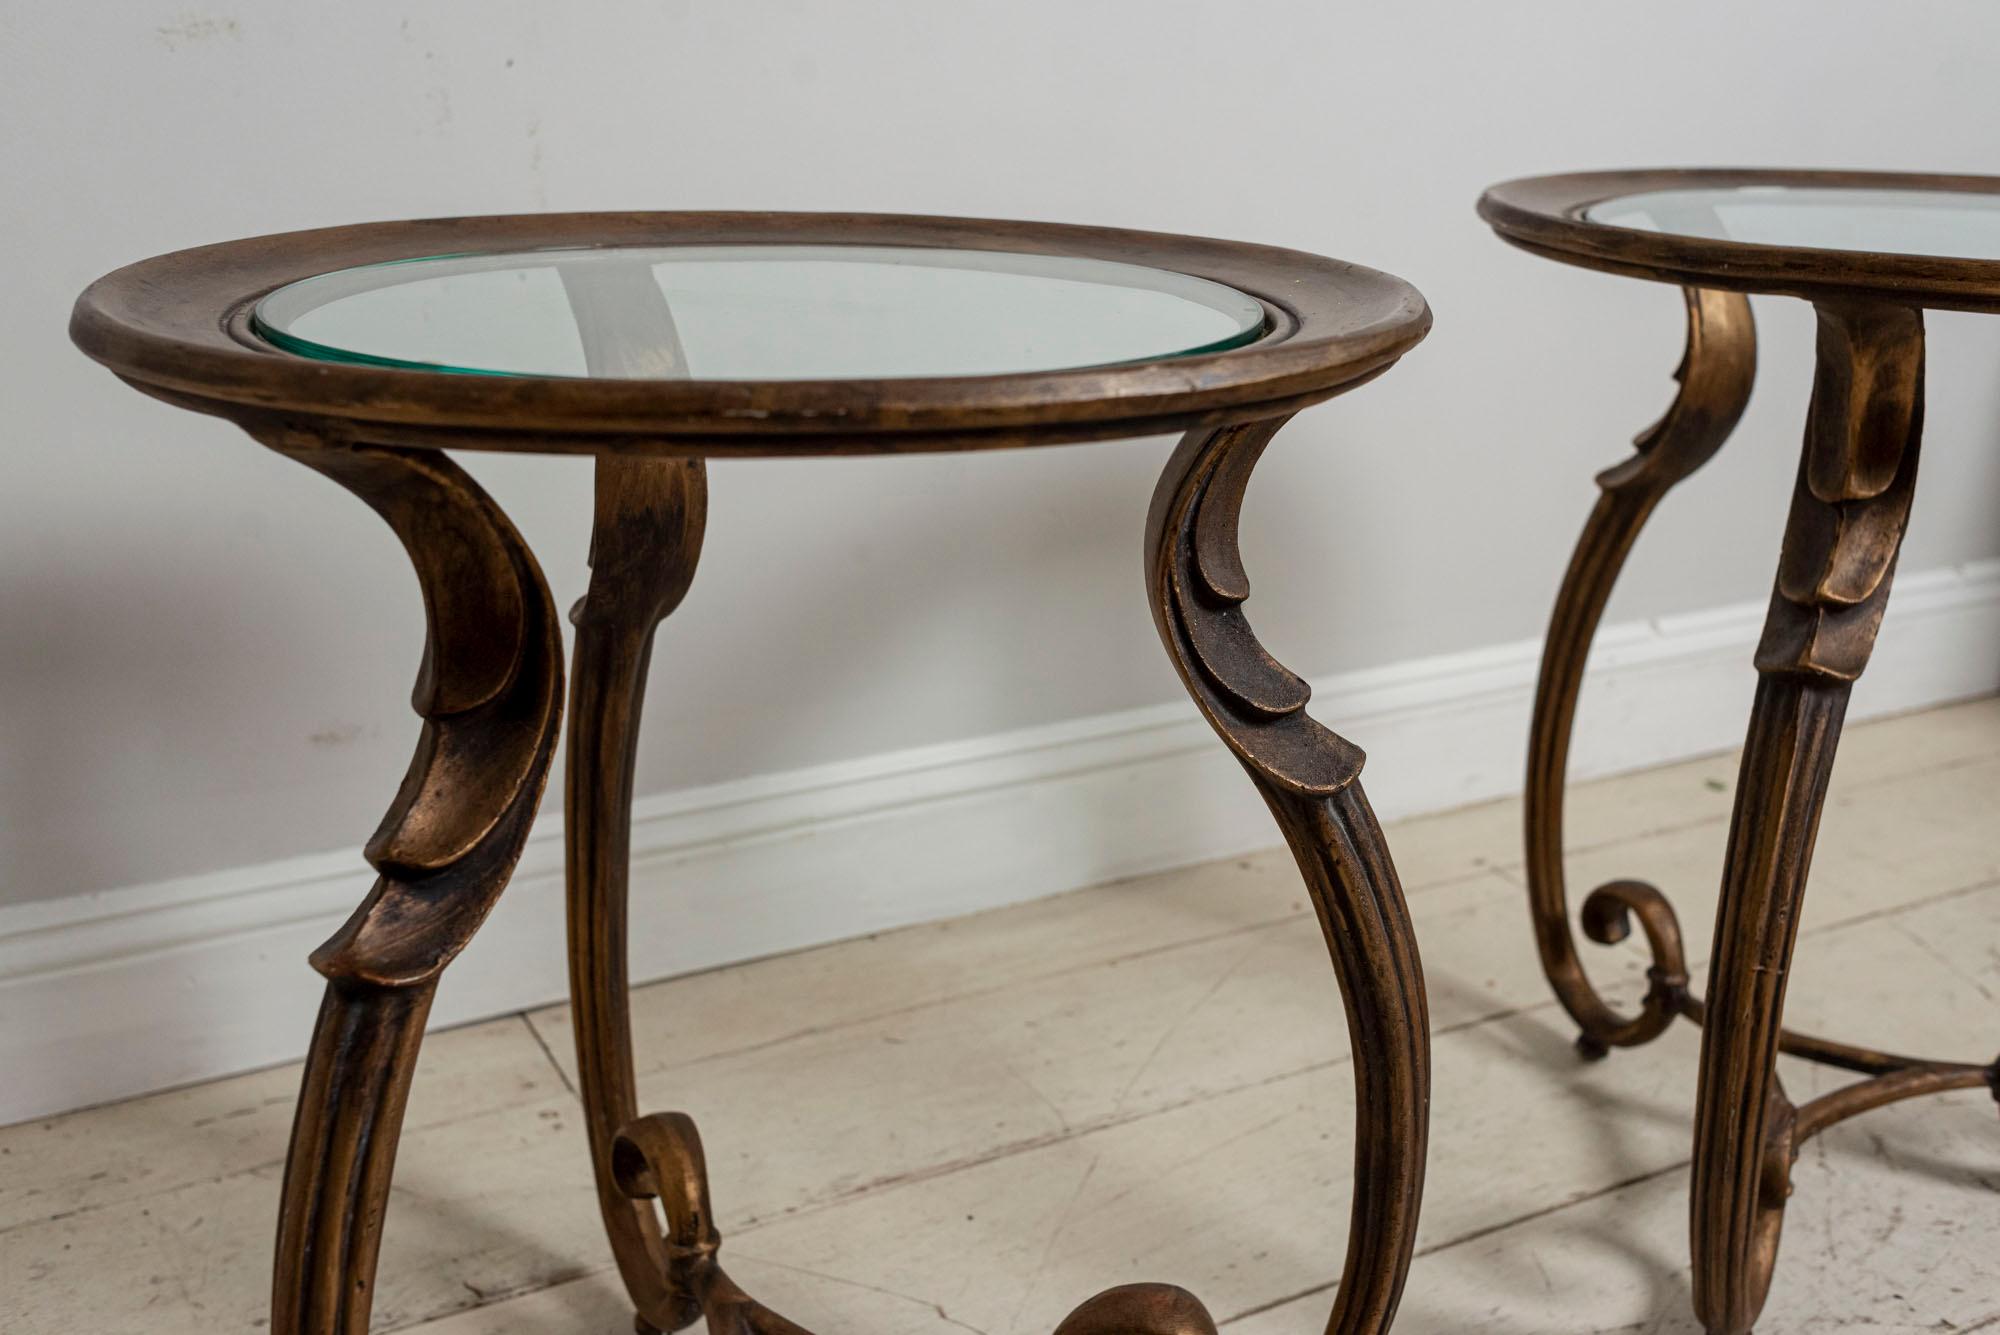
<point x="1847" y="520"/>
<point x="490" y="694"/>
<point x="1715" y="377"/>
<point x="652" y="1176"/>
<point x="1309" y="777"/>
<point x="643" y="551"/>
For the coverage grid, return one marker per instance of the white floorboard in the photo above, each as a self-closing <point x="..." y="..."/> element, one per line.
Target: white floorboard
<point x="975" y="1124"/>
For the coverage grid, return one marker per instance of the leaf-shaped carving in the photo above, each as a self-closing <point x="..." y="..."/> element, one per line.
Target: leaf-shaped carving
<point x="490" y="693"/>
<point x="1308" y="775"/>
<point x="1715" y="376"/>
<point x="1852" y="501"/>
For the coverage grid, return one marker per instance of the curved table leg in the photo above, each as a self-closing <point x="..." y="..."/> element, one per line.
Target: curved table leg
<point x="1848" y="515"/>
<point x="643" y="550"/>
<point x="1715" y="377"/>
<point x="490" y="694"/>
<point x="652" y="1176"/>
<point x="648" y="536"/>
<point x="1309" y="778"/>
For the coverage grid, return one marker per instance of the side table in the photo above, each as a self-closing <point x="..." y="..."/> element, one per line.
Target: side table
<point x="653" y="342"/>
<point x="1872" y="251"/>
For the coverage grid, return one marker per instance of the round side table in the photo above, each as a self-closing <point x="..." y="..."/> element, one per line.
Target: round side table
<point x="1871" y="251"/>
<point x="653" y="342"/>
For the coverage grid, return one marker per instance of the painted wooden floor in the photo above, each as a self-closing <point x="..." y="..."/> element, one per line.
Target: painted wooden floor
<point x="979" y="1123"/>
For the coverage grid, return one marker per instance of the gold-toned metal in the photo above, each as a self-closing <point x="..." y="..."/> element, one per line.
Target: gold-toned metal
<point x="490" y="693"/>
<point x="645" y="543"/>
<point x="1309" y="776"/>
<point x="1849" y="511"/>
<point x="659" y="1158"/>
<point x="176" y="327"/>
<point x="1715" y="376"/>
<point x="649" y="521"/>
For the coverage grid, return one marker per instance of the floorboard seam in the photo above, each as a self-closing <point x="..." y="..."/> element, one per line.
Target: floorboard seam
<point x="548" y="1053"/>
<point x="1080" y="1130"/>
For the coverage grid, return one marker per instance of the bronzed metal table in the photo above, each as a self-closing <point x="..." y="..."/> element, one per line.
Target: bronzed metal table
<point x="653" y="342"/>
<point x="1872" y="252"/>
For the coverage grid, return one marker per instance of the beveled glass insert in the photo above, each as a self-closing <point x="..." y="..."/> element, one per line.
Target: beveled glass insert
<point x="755" y="313"/>
<point x="1960" y="225"/>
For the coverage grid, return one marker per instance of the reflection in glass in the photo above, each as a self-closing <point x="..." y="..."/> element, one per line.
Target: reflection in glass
<point x="1962" y="225"/>
<point x="755" y="313"/>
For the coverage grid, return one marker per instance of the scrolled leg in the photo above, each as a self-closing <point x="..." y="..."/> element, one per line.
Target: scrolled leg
<point x="652" y="1175"/>
<point x="1140" y="1309"/>
<point x="1848" y="514"/>
<point x="1715" y="376"/>
<point x="1309" y="778"/>
<point x="651" y="514"/>
<point x="490" y="694"/>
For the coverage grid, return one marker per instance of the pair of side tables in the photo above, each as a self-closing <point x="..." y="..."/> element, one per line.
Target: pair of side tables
<point x="653" y="342"/>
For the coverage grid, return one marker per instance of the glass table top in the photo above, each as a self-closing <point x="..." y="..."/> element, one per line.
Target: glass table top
<point x="759" y="312"/>
<point x="1962" y="225"/>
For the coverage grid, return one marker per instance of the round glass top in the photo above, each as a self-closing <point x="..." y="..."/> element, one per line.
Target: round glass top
<point x="1962" y="225"/>
<point x="756" y="312"/>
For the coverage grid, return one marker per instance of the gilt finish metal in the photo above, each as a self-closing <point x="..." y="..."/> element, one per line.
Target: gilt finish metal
<point x="1849" y="511"/>
<point x="176" y="327"/>
<point x="1310" y="779"/>
<point x="490" y="693"/>
<point x="179" y="325"/>
<point x="643" y="554"/>
<point x="643" y="549"/>
<point x="1715" y="376"/>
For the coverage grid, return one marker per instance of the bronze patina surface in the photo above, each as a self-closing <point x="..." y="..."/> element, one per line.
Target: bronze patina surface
<point x="490" y="687"/>
<point x="1849" y="510"/>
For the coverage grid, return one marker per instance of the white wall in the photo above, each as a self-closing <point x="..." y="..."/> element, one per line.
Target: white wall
<point x="205" y="652"/>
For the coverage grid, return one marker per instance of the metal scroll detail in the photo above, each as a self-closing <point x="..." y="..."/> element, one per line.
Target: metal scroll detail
<point x="1715" y="376"/>
<point x="1849" y="510"/>
<point x="651" y="516"/>
<point x="490" y="693"/>
<point x="652" y="1167"/>
<point x="1309" y="777"/>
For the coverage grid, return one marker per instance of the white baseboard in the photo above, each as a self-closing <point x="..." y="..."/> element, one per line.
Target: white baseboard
<point x="108" y="995"/>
